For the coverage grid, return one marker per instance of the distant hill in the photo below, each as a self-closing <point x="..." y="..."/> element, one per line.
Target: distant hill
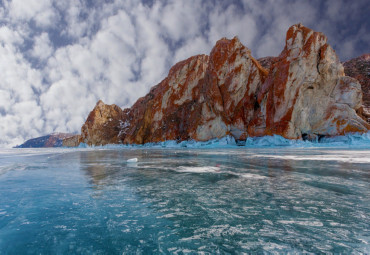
<point x="52" y="140"/>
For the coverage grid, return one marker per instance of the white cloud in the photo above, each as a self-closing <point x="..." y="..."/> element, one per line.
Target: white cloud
<point x="182" y="20"/>
<point x="229" y="23"/>
<point x="10" y="37"/>
<point x="40" y="11"/>
<point x="195" y="46"/>
<point x="42" y="47"/>
<point x="21" y="116"/>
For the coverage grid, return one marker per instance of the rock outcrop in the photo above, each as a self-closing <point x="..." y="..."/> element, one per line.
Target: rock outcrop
<point x="72" y="141"/>
<point x="102" y="125"/>
<point x="302" y="93"/>
<point x="202" y="98"/>
<point x="306" y="92"/>
<point x="359" y="68"/>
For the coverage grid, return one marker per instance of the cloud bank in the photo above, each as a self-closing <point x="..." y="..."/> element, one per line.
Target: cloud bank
<point x="58" y="58"/>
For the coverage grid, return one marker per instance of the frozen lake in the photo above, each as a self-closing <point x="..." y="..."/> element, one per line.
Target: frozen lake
<point x="181" y="200"/>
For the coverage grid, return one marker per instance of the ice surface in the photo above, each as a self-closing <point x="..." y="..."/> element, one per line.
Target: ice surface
<point x="213" y="197"/>
<point x="216" y="170"/>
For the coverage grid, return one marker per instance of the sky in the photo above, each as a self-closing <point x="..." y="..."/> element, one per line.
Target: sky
<point x="58" y="58"/>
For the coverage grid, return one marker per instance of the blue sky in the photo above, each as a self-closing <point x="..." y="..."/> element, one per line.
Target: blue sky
<point x="58" y="58"/>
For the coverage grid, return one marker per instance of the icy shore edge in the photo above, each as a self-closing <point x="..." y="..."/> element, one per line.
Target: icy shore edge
<point x="349" y="140"/>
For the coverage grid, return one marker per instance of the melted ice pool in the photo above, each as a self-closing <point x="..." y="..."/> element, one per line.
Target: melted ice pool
<point x="181" y="201"/>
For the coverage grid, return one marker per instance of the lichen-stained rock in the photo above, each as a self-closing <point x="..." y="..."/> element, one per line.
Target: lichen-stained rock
<point x="102" y="125"/>
<point x="306" y="91"/>
<point x="231" y="81"/>
<point x="171" y="110"/>
<point x="359" y="68"/>
<point x="202" y="98"/>
<point x="301" y="93"/>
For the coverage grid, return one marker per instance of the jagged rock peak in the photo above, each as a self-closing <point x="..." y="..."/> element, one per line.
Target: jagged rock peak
<point x="303" y="93"/>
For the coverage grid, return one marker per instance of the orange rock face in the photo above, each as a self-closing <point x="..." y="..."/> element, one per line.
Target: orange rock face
<point x="203" y="97"/>
<point x="303" y="92"/>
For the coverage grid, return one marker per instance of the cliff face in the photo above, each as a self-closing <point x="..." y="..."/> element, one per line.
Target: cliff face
<point x="306" y="92"/>
<point x="359" y="68"/>
<point x="202" y="98"/>
<point x="301" y="93"/>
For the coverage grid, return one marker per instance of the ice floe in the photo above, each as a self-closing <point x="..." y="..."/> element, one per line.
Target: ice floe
<point x="132" y="160"/>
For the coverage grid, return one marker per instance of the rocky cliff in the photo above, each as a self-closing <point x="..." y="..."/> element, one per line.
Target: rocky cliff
<point x="302" y="93"/>
<point x="102" y="125"/>
<point x="359" y="68"/>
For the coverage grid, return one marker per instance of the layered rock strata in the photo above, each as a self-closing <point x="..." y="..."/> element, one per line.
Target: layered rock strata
<point x="301" y="93"/>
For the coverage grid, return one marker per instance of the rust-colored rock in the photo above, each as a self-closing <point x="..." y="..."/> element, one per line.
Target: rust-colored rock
<point x="301" y="93"/>
<point x="306" y="91"/>
<point x="202" y="98"/>
<point x="171" y="110"/>
<point x="359" y="68"/>
<point x="267" y="62"/>
<point x="102" y="125"/>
